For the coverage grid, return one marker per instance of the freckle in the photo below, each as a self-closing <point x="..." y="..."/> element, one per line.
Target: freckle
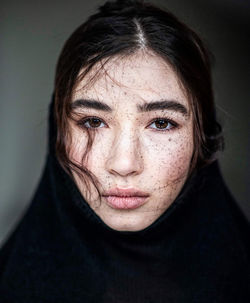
<point x="169" y="139"/>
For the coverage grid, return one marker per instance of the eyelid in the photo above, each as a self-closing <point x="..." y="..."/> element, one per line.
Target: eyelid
<point x="172" y="122"/>
<point x="82" y="122"/>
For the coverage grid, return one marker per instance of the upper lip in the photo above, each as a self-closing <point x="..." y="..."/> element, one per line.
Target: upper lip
<point x="125" y="192"/>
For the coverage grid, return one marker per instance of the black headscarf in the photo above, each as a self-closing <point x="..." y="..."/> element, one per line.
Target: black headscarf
<point x="197" y="251"/>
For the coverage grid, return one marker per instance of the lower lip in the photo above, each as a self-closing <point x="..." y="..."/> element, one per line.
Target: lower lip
<point x="118" y="202"/>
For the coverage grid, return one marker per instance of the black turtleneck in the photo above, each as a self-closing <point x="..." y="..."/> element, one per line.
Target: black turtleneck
<point x="197" y="251"/>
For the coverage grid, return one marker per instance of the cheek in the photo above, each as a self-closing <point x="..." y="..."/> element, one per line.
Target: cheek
<point x="78" y="145"/>
<point x="97" y="153"/>
<point x="169" y="156"/>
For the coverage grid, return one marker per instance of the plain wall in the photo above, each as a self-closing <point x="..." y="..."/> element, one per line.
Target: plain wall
<point x="32" y="34"/>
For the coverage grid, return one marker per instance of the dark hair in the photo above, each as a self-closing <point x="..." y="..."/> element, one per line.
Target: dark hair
<point x="121" y="28"/>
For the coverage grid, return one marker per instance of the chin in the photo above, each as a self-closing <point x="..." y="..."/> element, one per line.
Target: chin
<point x="127" y="221"/>
<point x="126" y="227"/>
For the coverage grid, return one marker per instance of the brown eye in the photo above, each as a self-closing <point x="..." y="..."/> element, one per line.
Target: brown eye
<point x="163" y="124"/>
<point x="93" y="123"/>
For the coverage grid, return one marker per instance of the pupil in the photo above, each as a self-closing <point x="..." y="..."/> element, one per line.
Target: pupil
<point x="161" y="123"/>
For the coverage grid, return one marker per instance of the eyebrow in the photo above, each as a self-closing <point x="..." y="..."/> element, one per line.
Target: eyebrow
<point x="89" y="103"/>
<point x="161" y="105"/>
<point x="150" y="106"/>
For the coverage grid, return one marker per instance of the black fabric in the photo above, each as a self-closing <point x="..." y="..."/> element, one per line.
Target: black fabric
<point x="197" y="251"/>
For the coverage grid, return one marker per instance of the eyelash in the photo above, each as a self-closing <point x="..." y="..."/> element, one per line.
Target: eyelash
<point x="83" y="121"/>
<point x="170" y="122"/>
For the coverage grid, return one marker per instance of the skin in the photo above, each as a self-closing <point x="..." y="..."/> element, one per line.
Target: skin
<point x="129" y="148"/>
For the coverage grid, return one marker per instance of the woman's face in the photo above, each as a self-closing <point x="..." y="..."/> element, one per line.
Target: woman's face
<point x="142" y="125"/>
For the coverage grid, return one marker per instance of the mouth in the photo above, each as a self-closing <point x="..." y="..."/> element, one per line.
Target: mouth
<point x="129" y="198"/>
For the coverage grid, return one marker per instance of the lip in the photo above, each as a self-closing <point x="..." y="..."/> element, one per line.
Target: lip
<point x="125" y="198"/>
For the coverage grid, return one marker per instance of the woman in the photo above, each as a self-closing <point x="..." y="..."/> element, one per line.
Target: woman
<point x="131" y="206"/>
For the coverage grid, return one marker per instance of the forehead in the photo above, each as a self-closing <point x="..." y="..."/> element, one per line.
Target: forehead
<point x="140" y="77"/>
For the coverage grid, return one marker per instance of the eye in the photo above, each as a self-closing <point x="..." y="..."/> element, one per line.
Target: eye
<point x="92" y="122"/>
<point x="163" y="124"/>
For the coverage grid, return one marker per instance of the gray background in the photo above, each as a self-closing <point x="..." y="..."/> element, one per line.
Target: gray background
<point x="31" y="36"/>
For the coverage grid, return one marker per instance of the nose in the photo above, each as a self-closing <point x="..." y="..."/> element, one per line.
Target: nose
<point x="125" y="158"/>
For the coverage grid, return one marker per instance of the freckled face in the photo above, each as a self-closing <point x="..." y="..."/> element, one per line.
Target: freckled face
<point x="142" y="125"/>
